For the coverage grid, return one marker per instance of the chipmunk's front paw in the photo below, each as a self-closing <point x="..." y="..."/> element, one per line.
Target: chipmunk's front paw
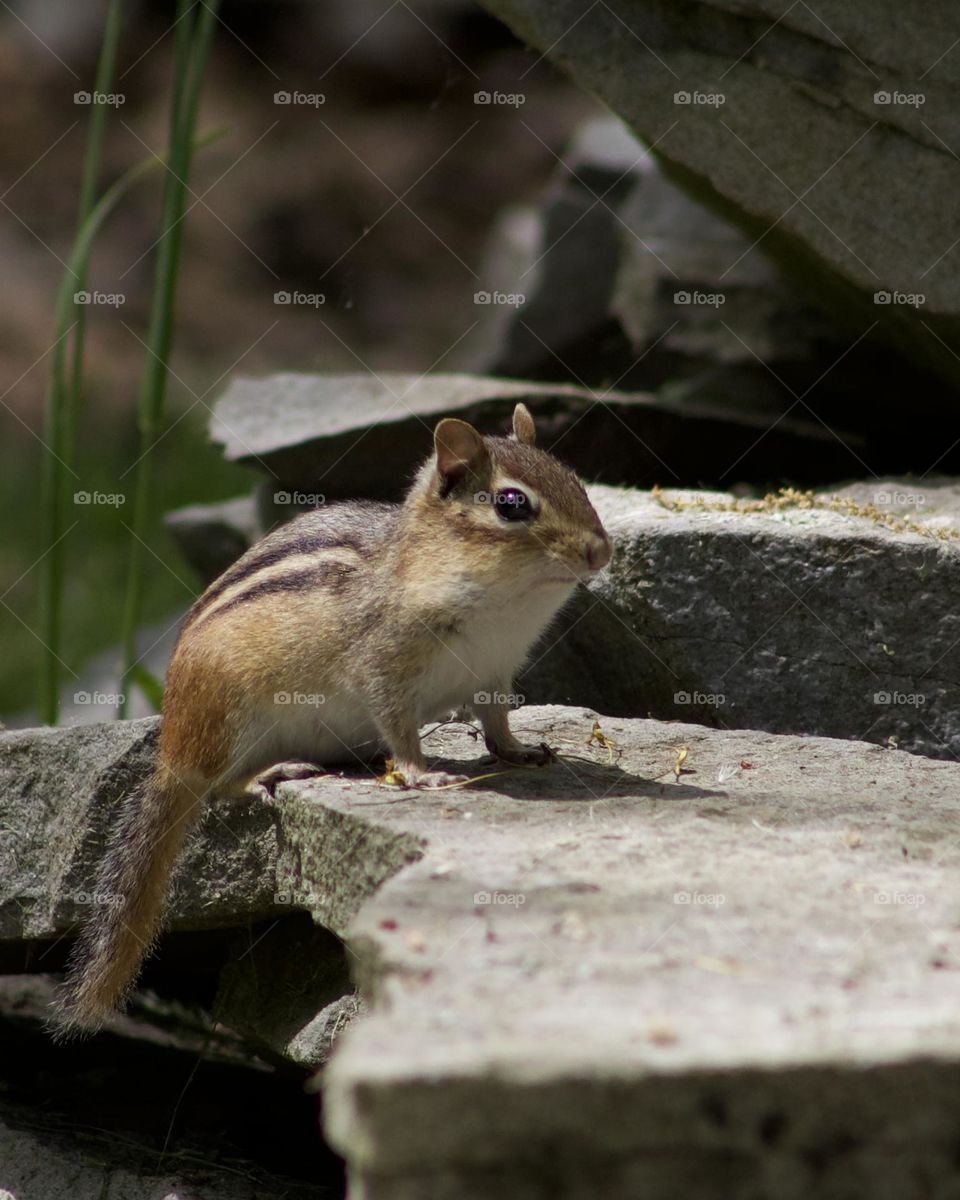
<point x="523" y="756"/>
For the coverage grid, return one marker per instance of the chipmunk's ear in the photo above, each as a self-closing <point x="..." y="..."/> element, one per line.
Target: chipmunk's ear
<point x="460" y="451"/>
<point x="524" y="429"/>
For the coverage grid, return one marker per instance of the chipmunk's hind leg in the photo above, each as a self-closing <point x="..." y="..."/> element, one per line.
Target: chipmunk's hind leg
<point x="285" y="772"/>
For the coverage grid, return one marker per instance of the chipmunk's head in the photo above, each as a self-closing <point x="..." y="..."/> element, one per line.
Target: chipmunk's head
<point x="514" y="506"/>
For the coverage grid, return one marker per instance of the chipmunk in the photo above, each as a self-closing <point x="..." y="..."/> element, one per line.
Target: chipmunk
<point x="383" y="616"/>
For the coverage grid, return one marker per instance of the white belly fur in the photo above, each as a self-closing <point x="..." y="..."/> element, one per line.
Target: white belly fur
<point x="488" y="650"/>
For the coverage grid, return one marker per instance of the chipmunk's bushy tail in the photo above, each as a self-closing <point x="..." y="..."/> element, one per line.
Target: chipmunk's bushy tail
<point x="128" y="903"/>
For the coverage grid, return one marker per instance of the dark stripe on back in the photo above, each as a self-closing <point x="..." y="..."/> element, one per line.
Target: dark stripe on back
<point x="294" y="539"/>
<point x="328" y="575"/>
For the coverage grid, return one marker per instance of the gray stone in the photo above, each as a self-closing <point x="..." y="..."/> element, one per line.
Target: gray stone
<point x="603" y="978"/>
<point x="330" y="437"/>
<point x="212" y="536"/>
<point x="801" y="620"/>
<point x="36" y="1166"/>
<point x="59" y="794"/>
<point x="677" y="961"/>
<point x="627" y="278"/>
<point x="799" y="125"/>
<point x="288" y="991"/>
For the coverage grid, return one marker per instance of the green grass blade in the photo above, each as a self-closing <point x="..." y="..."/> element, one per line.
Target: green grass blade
<point x="60" y="418"/>
<point x="65" y="319"/>
<point x="191" y="52"/>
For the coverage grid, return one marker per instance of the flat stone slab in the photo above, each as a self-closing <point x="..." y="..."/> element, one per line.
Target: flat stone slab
<point x="607" y="978"/>
<point x="327" y="437"/>
<point x="841" y="619"/>
<point x="678" y="961"/>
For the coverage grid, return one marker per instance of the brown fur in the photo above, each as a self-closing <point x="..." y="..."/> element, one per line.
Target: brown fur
<point x="131" y="889"/>
<point x="377" y="602"/>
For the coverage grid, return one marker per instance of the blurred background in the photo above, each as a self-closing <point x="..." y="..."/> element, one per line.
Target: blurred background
<point x="381" y="197"/>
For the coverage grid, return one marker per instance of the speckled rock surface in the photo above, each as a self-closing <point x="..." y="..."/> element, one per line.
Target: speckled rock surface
<point x="800" y="621"/>
<point x="604" y="979"/>
<point x="34" y="1166"/>
<point x="59" y="794"/>
<point x="679" y="960"/>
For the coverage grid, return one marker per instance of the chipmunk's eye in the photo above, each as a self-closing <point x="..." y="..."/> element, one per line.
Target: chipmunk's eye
<point x="513" y="505"/>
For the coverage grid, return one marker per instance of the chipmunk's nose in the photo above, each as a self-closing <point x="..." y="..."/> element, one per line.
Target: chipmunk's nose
<point x="598" y="551"/>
